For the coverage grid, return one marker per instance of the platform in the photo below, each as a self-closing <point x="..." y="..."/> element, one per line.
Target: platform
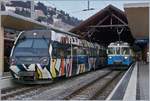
<point x="6" y="81"/>
<point x="143" y="82"/>
<point x="134" y="85"/>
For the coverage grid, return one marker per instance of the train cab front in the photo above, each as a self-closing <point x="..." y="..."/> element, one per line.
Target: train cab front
<point x="29" y="60"/>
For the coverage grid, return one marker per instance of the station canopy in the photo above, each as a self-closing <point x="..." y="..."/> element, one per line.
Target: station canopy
<point x="18" y="22"/>
<point x="108" y="25"/>
<point x="138" y="17"/>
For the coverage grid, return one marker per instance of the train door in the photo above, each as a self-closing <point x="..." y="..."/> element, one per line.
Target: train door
<point x="57" y="67"/>
<point x="75" y="60"/>
<point x="92" y="59"/>
<point x="82" y="60"/>
<point x="68" y="59"/>
<point x="103" y="57"/>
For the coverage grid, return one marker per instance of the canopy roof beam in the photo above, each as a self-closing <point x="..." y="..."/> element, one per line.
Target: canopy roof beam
<point x="119" y="19"/>
<point x="93" y="29"/>
<point x="106" y="26"/>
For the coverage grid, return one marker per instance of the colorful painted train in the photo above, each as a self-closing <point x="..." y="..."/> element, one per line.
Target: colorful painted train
<point x="39" y="56"/>
<point x="119" y="54"/>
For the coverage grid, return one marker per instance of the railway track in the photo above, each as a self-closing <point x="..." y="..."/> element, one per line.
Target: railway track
<point x="12" y="92"/>
<point x="106" y="89"/>
<point x="93" y="89"/>
<point x="27" y="90"/>
<point x="78" y="91"/>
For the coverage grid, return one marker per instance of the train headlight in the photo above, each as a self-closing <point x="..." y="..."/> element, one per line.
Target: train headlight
<point x="44" y="60"/>
<point x="12" y="61"/>
<point x="125" y="57"/>
<point x="110" y="57"/>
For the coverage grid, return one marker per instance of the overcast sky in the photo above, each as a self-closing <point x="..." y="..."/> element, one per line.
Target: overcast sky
<point x="75" y="7"/>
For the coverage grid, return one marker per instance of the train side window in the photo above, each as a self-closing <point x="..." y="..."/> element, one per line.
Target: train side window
<point x="97" y="52"/>
<point x="54" y="53"/>
<point x="83" y="51"/>
<point x="93" y="51"/>
<point x="90" y="51"/>
<point x="87" y="51"/>
<point x="74" y="51"/>
<point x="61" y="53"/>
<point x="57" y="51"/>
<point x="100" y="52"/>
<point x="125" y="50"/>
<point x="80" y="51"/>
<point x="54" y="50"/>
<point x="68" y="52"/>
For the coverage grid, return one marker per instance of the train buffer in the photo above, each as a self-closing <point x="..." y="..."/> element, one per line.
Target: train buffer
<point x="134" y="85"/>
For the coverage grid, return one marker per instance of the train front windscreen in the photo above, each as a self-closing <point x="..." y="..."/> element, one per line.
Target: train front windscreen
<point x="111" y="50"/>
<point x="31" y="50"/>
<point x="125" y="51"/>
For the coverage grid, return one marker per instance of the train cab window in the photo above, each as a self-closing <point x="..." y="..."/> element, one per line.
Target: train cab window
<point x="25" y="43"/>
<point x="125" y="51"/>
<point x="33" y="43"/>
<point x="117" y="50"/>
<point x="111" y="50"/>
<point x="40" y="44"/>
<point x="31" y="47"/>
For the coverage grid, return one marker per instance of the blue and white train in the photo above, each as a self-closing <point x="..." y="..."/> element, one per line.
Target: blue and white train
<point x="119" y="53"/>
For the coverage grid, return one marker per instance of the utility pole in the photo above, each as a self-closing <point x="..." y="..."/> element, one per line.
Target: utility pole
<point x="119" y="32"/>
<point x="1" y="42"/>
<point x="0" y="5"/>
<point x="1" y="52"/>
<point x="32" y="9"/>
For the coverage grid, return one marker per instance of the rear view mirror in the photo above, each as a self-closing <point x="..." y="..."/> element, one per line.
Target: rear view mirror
<point x="107" y="51"/>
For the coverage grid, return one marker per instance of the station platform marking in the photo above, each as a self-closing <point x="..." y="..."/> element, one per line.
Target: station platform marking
<point x="113" y="93"/>
<point x="7" y="82"/>
<point x="130" y="94"/>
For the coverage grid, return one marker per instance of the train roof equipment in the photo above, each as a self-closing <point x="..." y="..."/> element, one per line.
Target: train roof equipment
<point x="119" y="44"/>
